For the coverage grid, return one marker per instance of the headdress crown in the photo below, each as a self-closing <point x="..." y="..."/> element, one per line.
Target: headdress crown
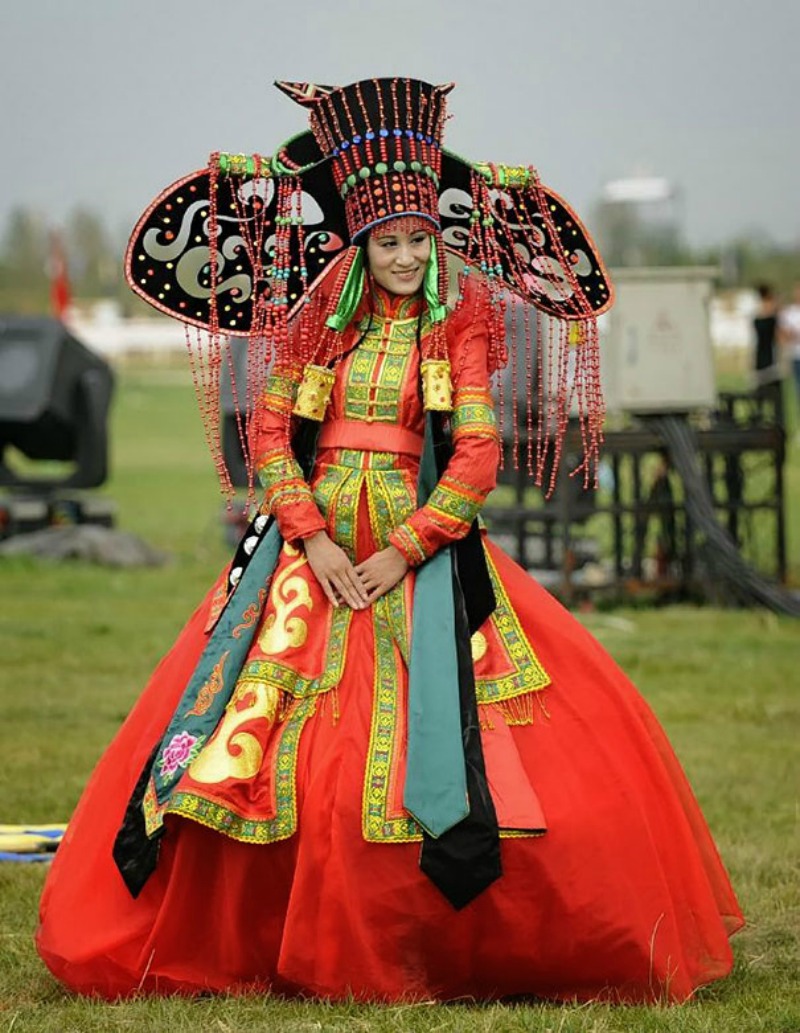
<point x="383" y="138"/>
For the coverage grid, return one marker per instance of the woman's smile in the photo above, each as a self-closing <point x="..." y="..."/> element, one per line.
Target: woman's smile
<point x="397" y="260"/>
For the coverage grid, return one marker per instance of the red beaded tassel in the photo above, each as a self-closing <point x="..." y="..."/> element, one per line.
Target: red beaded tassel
<point x="579" y="388"/>
<point x="434" y="344"/>
<point x="272" y="260"/>
<point x="205" y="348"/>
<point x="331" y="341"/>
<point x="251" y="200"/>
<point x="567" y="346"/>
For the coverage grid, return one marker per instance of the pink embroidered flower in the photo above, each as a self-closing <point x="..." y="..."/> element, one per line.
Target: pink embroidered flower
<point x="178" y="753"/>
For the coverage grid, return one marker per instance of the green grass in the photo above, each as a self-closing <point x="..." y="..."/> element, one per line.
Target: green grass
<point x="78" y="643"/>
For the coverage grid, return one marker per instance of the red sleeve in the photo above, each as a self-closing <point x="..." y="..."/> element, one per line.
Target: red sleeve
<point x="287" y="493"/>
<point x="471" y="473"/>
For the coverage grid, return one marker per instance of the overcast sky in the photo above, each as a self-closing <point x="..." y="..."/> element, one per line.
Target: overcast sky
<point x="104" y="102"/>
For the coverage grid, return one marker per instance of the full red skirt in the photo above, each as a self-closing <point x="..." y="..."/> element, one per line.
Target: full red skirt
<point x="624" y="897"/>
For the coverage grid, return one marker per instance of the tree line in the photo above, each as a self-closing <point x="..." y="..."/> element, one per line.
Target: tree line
<point x="29" y="257"/>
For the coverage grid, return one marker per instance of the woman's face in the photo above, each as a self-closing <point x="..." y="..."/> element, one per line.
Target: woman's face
<point x="397" y="260"/>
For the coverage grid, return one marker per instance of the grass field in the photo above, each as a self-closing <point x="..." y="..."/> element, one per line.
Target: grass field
<point x="77" y="643"/>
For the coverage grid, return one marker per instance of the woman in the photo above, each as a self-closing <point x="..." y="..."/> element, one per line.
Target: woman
<point x="765" y="326"/>
<point x="380" y="760"/>
<point x="789" y="335"/>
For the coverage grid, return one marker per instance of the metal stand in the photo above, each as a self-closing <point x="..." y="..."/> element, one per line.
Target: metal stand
<point x="742" y="453"/>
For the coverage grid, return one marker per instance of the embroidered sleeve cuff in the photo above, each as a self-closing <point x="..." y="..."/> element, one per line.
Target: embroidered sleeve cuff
<point x="405" y="539"/>
<point x="280" y="392"/>
<point x="453" y="506"/>
<point x="445" y="517"/>
<point x="288" y="496"/>
<point x="473" y="414"/>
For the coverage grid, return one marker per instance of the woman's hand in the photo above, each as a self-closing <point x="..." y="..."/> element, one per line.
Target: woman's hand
<point x="382" y="571"/>
<point x="339" y="578"/>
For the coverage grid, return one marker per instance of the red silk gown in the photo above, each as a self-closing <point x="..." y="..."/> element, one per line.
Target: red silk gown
<point x="289" y="863"/>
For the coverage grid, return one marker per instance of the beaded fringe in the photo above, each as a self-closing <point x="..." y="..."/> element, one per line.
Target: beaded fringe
<point x="557" y="356"/>
<point x="517" y="712"/>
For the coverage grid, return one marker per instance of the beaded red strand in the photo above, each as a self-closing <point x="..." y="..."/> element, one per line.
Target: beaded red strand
<point x="387" y="163"/>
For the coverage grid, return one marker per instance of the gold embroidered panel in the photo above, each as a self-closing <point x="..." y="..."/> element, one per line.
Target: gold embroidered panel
<point x="390" y="494"/>
<point x="376" y="372"/>
<point x="226" y="806"/>
<point x="506" y="664"/>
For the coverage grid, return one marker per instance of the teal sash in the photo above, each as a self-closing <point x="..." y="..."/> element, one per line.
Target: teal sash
<point x="435" y="791"/>
<point x="220" y="664"/>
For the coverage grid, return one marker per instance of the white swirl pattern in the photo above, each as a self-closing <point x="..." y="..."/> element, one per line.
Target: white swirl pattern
<point x="195" y="261"/>
<point x="544" y="275"/>
<point x="169" y="252"/>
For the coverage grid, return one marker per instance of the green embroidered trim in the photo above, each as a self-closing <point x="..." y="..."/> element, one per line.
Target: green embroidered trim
<point x="282" y="480"/>
<point x="397" y="617"/>
<point x="244" y="165"/>
<point x="528" y="674"/>
<point x="390" y="498"/>
<point x="453" y="504"/>
<point x="383" y="741"/>
<point x="406" y="539"/>
<point x="473" y="414"/>
<point x="399" y="309"/>
<point x="377" y="372"/>
<point x="247" y="830"/>
<point x="519" y="177"/>
<point x="289" y="494"/>
<point x="355" y="459"/>
<point x="336" y="494"/>
<point x="279" y="393"/>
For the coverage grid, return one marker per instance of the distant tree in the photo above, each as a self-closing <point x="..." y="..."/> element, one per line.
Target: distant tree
<point x="94" y="268"/>
<point x="24" y="286"/>
<point x="24" y="248"/>
<point x="754" y="259"/>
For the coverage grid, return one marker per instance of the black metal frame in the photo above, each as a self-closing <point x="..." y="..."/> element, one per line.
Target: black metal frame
<point x="744" y="424"/>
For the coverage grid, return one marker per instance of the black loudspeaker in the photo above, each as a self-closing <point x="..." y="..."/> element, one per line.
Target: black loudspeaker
<point x="54" y="399"/>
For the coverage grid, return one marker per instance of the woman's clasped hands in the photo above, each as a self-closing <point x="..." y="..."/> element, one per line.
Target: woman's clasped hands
<point x="355" y="585"/>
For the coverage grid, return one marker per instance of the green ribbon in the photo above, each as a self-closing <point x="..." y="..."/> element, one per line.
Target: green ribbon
<point x="435" y="790"/>
<point x="351" y="295"/>
<point x="436" y="310"/>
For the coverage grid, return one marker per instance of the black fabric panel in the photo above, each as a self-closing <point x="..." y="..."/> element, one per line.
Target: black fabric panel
<point x="304" y="445"/>
<point x="135" y="853"/>
<point x="476" y="583"/>
<point x="465" y="861"/>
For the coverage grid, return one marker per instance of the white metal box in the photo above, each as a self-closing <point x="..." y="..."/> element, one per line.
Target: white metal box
<point x="656" y="341"/>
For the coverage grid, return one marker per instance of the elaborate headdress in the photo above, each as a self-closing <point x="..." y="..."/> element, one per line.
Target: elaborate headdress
<point x="242" y="247"/>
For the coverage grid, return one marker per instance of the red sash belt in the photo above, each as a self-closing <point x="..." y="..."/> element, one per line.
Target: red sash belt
<point x="369" y="437"/>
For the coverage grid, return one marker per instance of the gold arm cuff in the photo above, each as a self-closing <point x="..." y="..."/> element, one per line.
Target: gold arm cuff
<point x="314" y="392"/>
<point x="437" y="389"/>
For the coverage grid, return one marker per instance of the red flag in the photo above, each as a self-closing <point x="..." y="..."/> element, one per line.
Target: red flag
<point x="60" y="296"/>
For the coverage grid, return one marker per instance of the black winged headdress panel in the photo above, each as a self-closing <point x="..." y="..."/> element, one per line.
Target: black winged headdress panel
<point x="540" y="249"/>
<point x="169" y="255"/>
<point x="239" y="248"/>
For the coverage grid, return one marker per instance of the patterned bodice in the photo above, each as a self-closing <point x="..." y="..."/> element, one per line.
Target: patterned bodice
<point x="376" y="384"/>
<point x="377" y="381"/>
<point x="371" y="439"/>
